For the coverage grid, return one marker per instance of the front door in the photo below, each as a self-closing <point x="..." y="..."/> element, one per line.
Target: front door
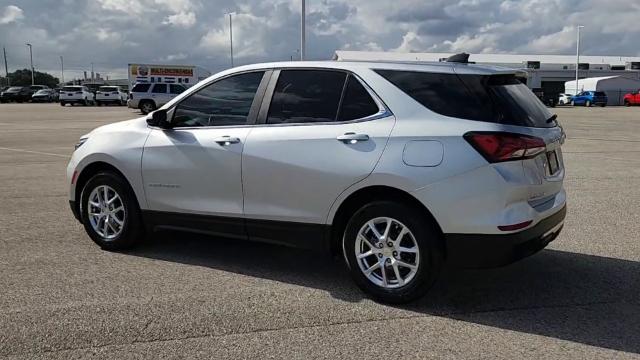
<point x="321" y="132"/>
<point x="192" y="172"/>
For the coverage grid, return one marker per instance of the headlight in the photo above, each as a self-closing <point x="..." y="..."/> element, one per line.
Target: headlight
<point x="80" y="142"/>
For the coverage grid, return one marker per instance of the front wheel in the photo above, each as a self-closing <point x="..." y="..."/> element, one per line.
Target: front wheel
<point x="110" y="212"/>
<point x="573" y="103"/>
<point x="392" y="251"/>
<point x="147" y="106"/>
<point x="587" y="103"/>
<point x="627" y="103"/>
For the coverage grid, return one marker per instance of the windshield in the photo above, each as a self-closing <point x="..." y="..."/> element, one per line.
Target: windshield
<point x="42" y="92"/>
<point x="108" y="88"/>
<point x="14" y="89"/>
<point x="71" y="88"/>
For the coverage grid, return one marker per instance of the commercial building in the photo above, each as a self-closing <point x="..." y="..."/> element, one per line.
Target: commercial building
<point x="544" y="73"/>
<point x="187" y="75"/>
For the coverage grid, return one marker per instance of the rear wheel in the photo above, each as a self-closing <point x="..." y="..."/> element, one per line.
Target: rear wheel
<point x="62" y="103"/>
<point x="627" y="103"/>
<point x="587" y="103"/>
<point x="98" y="103"/>
<point x="110" y="212"/>
<point x="147" y="106"/>
<point x="573" y="103"/>
<point x="392" y="251"/>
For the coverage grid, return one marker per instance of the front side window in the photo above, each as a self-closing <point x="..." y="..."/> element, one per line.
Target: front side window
<point x="159" y="89"/>
<point x="306" y="96"/>
<point x="224" y="102"/>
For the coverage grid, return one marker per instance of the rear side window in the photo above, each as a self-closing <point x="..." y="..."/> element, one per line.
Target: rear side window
<point x="140" y="87"/>
<point x="224" y="102"/>
<point x="176" y="89"/>
<point x="306" y="96"/>
<point x="159" y="89"/>
<point x="600" y="93"/>
<point x="490" y="98"/>
<point x="356" y="103"/>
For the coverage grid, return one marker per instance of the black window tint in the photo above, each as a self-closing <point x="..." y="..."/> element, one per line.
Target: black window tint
<point x="140" y="87"/>
<point x="159" y="89"/>
<point x="225" y="102"/>
<point x="303" y="96"/>
<point x="176" y="89"/>
<point x="357" y="103"/>
<point x="491" y="98"/>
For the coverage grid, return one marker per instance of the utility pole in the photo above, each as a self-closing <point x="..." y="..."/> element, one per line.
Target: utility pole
<point x="6" y="68"/>
<point x="231" y="36"/>
<point x="62" y="68"/>
<point x="578" y="57"/>
<point x="303" y="41"/>
<point x="31" y="56"/>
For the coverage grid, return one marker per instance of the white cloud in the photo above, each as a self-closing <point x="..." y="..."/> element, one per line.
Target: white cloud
<point x="11" y="14"/>
<point x="181" y="19"/>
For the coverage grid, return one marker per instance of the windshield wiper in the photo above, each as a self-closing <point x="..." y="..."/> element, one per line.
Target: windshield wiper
<point x="552" y="118"/>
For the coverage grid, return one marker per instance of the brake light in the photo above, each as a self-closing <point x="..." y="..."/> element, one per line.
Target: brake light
<point x="501" y="146"/>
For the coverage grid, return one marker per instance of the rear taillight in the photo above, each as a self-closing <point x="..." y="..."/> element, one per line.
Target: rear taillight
<point x="501" y="146"/>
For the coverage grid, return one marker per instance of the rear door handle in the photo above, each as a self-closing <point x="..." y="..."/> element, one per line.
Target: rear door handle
<point x="226" y="140"/>
<point x="352" y="138"/>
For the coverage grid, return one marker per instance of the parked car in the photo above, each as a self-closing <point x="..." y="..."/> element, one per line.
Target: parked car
<point x="588" y="98"/>
<point x="396" y="167"/>
<point x="148" y="97"/>
<point x="12" y="94"/>
<point x="76" y="95"/>
<point x="44" y="95"/>
<point x="632" y="98"/>
<point x="110" y="95"/>
<point x="564" y="99"/>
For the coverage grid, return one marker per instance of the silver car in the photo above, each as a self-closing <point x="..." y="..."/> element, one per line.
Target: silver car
<point x="396" y="167"/>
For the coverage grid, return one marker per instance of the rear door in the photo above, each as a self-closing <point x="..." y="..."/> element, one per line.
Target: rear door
<point x="159" y="94"/>
<point x="319" y="132"/>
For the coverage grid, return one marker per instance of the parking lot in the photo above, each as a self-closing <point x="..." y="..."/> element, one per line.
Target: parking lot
<point x="186" y="296"/>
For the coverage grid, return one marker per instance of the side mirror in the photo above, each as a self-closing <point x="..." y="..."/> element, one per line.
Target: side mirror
<point x="159" y="118"/>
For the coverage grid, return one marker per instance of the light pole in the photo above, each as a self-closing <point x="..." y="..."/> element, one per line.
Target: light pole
<point x="92" y="73"/>
<point x="303" y="41"/>
<point x="578" y="57"/>
<point x="31" y="57"/>
<point x="231" y="36"/>
<point x="62" y="68"/>
<point x="6" y="68"/>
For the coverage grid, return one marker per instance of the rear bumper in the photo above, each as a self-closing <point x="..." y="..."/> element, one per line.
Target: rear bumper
<point x="486" y="251"/>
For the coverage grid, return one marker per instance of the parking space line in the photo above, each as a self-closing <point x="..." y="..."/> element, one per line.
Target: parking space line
<point x="34" y="152"/>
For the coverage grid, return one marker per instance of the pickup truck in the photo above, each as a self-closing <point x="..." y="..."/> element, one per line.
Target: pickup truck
<point x="632" y="98"/>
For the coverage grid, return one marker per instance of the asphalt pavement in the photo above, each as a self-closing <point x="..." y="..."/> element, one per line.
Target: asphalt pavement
<point x="186" y="296"/>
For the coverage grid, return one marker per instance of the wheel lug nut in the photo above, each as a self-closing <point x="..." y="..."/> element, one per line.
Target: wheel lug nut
<point x="388" y="261"/>
<point x="390" y="244"/>
<point x="380" y="245"/>
<point x="380" y="255"/>
<point x="395" y="253"/>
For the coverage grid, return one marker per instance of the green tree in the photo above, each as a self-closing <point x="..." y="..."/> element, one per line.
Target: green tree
<point x="23" y="78"/>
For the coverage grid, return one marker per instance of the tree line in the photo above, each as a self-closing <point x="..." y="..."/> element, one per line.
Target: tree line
<point x="23" y="78"/>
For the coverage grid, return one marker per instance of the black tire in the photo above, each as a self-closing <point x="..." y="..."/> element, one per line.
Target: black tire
<point x="132" y="230"/>
<point x="146" y="106"/>
<point x="98" y="103"/>
<point x="627" y="103"/>
<point x="84" y="102"/>
<point x="426" y="235"/>
<point x="573" y="103"/>
<point x="62" y="103"/>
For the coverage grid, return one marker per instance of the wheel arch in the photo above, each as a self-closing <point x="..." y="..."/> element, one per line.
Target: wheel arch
<point x="365" y="195"/>
<point x="92" y="169"/>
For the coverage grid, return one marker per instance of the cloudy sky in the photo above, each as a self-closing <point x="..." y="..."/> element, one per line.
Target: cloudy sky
<point x="113" y="33"/>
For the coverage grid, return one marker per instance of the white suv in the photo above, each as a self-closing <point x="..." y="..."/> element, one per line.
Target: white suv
<point x="76" y="95"/>
<point x="397" y="167"/>
<point x="110" y="95"/>
<point x="148" y="97"/>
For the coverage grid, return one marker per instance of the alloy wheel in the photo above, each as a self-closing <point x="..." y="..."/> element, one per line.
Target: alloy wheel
<point x="387" y="252"/>
<point x="106" y="212"/>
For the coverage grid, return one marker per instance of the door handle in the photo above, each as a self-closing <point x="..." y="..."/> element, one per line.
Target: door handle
<point x="226" y="140"/>
<point x="352" y="138"/>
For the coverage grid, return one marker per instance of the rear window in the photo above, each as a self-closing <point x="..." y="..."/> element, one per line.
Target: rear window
<point x="72" y="88"/>
<point x="490" y="98"/>
<point x="107" y="88"/>
<point x="140" y="88"/>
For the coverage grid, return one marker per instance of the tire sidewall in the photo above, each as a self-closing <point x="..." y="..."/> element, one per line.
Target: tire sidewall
<point x="131" y="231"/>
<point x="426" y="237"/>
